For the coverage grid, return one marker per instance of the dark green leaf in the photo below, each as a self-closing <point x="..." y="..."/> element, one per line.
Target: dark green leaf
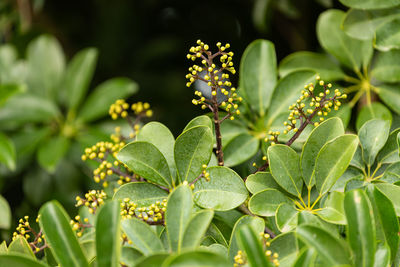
<point x="10" y="89"/>
<point x="390" y="95"/>
<point x="333" y="210"/>
<point x="387" y="37"/>
<point x="392" y="192"/>
<point x="370" y="4"/>
<point x="286" y="217"/>
<point x="155" y="260"/>
<point x="240" y="149"/>
<point x="202" y="120"/>
<point x="5" y="214"/>
<point x="7" y="152"/>
<point x="265" y="203"/>
<point x="20" y="245"/>
<point x="196" y="259"/>
<point x="54" y="222"/>
<point x="196" y="229"/>
<point x="390" y="151"/>
<point x="260" y="181"/>
<point x="306" y="258"/>
<point x="141" y="193"/>
<point x="387" y="66"/>
<point x="374" y="111"/>
<point x="52" y="151"/>
<point x="19" y="261"/>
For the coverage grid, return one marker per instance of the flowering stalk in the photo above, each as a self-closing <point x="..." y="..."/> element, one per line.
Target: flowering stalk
<point x="217" y="79"/>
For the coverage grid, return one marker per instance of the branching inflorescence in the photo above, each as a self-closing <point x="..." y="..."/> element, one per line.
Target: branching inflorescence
<point x="219" y="92"/>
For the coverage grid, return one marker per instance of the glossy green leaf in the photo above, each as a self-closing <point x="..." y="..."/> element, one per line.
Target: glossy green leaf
<point x="217" y="249"/>
<point x="146" y="160"/>
<point x="130" y="256"/>
<point x="390" y="151"/>
<point x="260" y="181"/>
<point x="54" y="222"/>
<point x="256" y="223"/>
<point x="392" y="192"/>
<point x="374" y="111"/>
<point x="333" y="209"/>
<point x="250" y="243"/>
<point x="319" y="63"/>
<point x="15" y="260"/>
<point x="78" y="76"/>
<point x="286" y="217"/>
<point x="332" y="160"/>
<point x="391" y="173"/>
<point x="224" y="191"/>
<point x="231" y="129"/>
<point x="370" y="4"/>
<point x="155" y="260"/>
<point x="215" y="232"/>
<point x="177" y="215"/>
<point x="240" y="149"/>
<point x="387" y="37"/>
<point x="387" y="66"/>
<point x="362" y="24"/>
<point x="192" y="150"/>
<point x="26" y="108"/>
<point x="390" y="95"/>
<point x="142" y="194"/>
<point x="373" y="135"/>
<point x="382" y="256"/>
<point x="387" y="224"/>
<point x="306" y="258"/>
<point x="46" y="64"/>
<point x="319" y="136"/>
<point x="287" y="91"/>
<point x="5" y="214"/>
<point x="159" y="135"/>
<point x="258" y="75"/>
<point x="99" y="101"/>
<point x="285" y="168"/>
<point x="142" y="236"/>
<point x="52" y="151"/>
<point x="330" y="249"/>
<point x="196" y="259"/>
<point x="287" y="246"/>
<point x="352" y="53"/>
<point x="196" y="229"/>
<point x="7" y="152"/>
<point x="265" y="202"/>
<point x="20" y="245"/>
<point x="108" y="235"/>
<point x="202" y="120"/>
<point x="10" y="89"/>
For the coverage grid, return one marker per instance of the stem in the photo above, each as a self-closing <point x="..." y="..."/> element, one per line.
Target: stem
<point x="377" y="168"/>
<point x="351" y="79"/>
<point x="316" y="201"/>
<point x="218" y="136"/>
<point x="309" y="197"/>
<point x="356" y="98"/>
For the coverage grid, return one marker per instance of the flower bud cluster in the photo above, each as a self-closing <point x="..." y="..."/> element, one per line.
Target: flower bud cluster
<point x="93" y="199"/>
<point x="79" y="225"/>
<point x="121" y="109"/>
<point x="153" y="214"/>
<point x="216" y="77"/>
<point x="117" y="136"/>
<point x="25" y="230"/>
<point x="318" y="107"/>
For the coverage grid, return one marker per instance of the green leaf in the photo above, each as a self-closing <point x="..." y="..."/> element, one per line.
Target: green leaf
<point x="108" y="234"/>
<point x="361" y="227"/>
<point x="319" y="136"/>
<point x="362" y="24"/>
<point x="306" y="258"/>
<point x="382" y="256"/>
<point x="385" y="219"/>
<point x="286" y="217"/>
<point x="318" y="63"/>
<point x="99" y="101"/>
<point x="285" y="168"/>
<point x="52" y="151"/>
<point x="332" y="160"/>
<point x="26" y="108"/>
<point x="258" y="75"/>
<point x="7" y="152"/>
<point x="196" y="229"/>
<point x="370" y="4"/>
<point x="54" y="222"/>
<point x="155" y="260"/>
<point x="350" y="52"/>
<point x="390" y="151"/>
<point x="224" y="191"/>
<point x="391" y="173"/>
<point x="374" y="111"/>
<point x="10" y="89"/>
<point x="46" y="64"/>
<point x="130" y="256"/>
<point x="256" y="223"/>
<point x="192" y="150"/>
<point x="390" y="95"/>
<point x="387" y="37"/>
<point x="286" y="245"/>
<point x="373" y="135"/>
<point x="159" y="135"/>
<point x="251" y="245"/>
<point x="78" y="75"/>
<point x="20" y="245"/>
<point x="333" y="210"/>
<point x="330" y="249"/>
<point x="392" y="192"/>
<point x="196" y="259"/>
<point x="5" y="213"/>
<point x="240" y="149"/>
<point x="143" y="194"/>
<point x="177" y="215"/>
<point x="142" y="236"/>
<point x="202" y="120"/>
<point x="265" y="202"/>
<point x="19" y="261"/>
<point x="260" y="181"/>
<point x="3" y="248"/>
<point x="387" y="66"/>
<point x="287" y="91"/>
<point x="146" y="160"/>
